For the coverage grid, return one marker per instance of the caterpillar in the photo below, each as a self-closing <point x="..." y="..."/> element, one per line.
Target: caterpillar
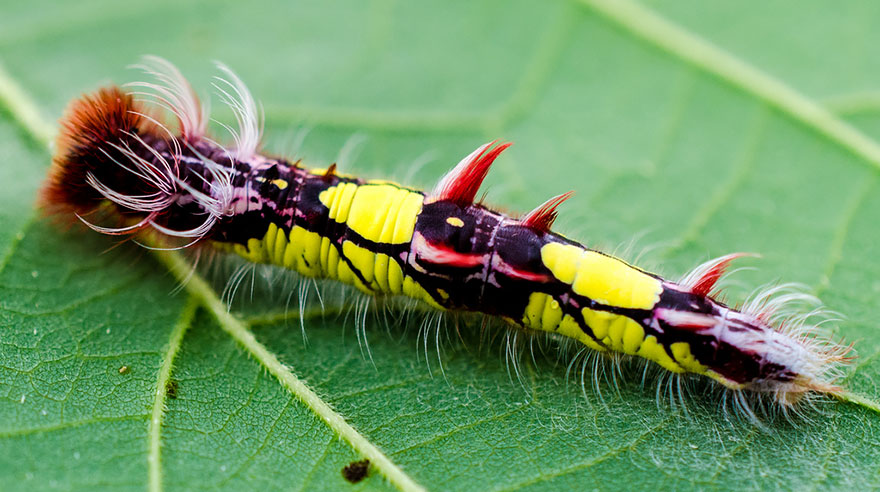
<point x="122" y="171"/>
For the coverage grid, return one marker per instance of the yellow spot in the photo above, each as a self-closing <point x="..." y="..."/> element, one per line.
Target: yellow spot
<point x="601" y="278"/>
<point x="455" y="222"/>
<point x="443" y="294"/>
<point x="280" y="183"/>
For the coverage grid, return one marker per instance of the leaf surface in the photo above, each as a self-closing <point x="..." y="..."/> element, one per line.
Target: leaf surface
<point x="111" y="379"/>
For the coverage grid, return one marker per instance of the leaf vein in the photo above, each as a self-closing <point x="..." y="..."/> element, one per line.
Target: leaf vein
<point x="164" y="376"/>
<point x="725" y="191"/>
<point x="196" y="285"/>
<point x="653" y="28"/>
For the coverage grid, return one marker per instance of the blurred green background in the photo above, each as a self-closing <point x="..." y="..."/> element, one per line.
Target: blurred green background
<point x="687" y="130"/>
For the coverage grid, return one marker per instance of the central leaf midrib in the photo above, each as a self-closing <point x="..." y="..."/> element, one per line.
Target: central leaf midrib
<point x="197" y="287"/>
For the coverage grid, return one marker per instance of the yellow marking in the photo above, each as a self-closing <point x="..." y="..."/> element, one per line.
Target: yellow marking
<point x="729" y="383"/>
<point x="338" y="199"/>
<point x="381" y="272"/>
<point x="384" y="262"/>
<point x="535" y="310"/>
<point x="652" y="350"/>
<point x="395" y="278"/>
<point x="602" y="278"/>
<point x="406" y="218"/>
<point x="612" y="282"/>
<point x="633" y="335"/>
<point x="616" y="331"/>
<point x="332" y="266"/>
<point x="324" y="254"/>
<point x="280" y="183"/>
<point x="552" y="314"/>
<point x="380" y="212"/>
<point x="303" y="253"/>
<point x="562" y="260"/>
<point x="397" y="229"/>
<point x="570" y="328"/>
<point x="682" y="353"/>
<point x="363" y="260"/>
<point x="455" y="222"/>
<point x="542" y="313"/>
<point x="280" y="248"/>
<point x="269" y="241"/>
<point x="239" y="250"/>
<point x="255" y="251"/>
<point x="598" y="321"/>
<point x="372" y="207"/>
<point x="412" y="289"/>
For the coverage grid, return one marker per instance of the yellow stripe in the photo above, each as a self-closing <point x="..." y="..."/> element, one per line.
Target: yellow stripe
<point x="601" y="278"/>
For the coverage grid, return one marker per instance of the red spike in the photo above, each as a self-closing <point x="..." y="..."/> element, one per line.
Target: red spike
<point x="460" y="185"/>
<point x="329" y="173"/>
<point x="703" y="278"/>
<point x="542" y="218"/>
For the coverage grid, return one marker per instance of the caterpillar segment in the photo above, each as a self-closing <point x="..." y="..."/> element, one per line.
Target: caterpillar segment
<point x="441" y="247"/>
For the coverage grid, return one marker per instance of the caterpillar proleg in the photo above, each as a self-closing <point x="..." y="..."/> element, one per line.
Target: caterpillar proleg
<point x="122" y="171"/>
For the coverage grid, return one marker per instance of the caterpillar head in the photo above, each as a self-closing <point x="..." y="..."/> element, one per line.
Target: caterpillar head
<point x="117" y="167"/>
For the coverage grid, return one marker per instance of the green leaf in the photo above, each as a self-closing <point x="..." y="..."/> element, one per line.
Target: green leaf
<point x="690" y="130"/>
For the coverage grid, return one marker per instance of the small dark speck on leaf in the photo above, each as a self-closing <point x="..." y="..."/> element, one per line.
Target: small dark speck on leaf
<point x="171" y="388"/>
<point x="124" y="370"/>
<point x="355" y="471"/>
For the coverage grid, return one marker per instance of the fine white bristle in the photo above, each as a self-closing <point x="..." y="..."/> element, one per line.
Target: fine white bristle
<point x="172" y="92"/>
<point x="235" y="94"/>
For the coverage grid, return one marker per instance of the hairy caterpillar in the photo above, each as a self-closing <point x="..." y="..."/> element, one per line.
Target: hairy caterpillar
<point x="122" y="171"/>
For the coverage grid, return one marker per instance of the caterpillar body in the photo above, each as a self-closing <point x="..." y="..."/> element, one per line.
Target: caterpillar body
<point x="116" y="161"/>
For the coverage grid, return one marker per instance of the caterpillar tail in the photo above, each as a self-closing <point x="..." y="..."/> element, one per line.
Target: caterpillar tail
<point x="121" y="170"/>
